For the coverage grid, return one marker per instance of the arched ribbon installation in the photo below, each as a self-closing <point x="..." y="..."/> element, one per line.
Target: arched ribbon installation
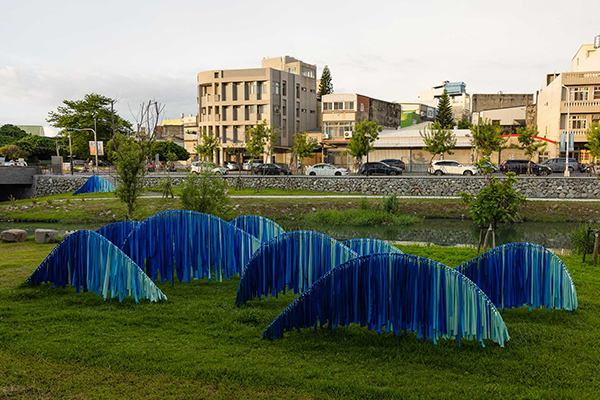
<point x="189" y="245"/>
<point x="95" y="183"/>
<point x="522" y="274"/>
<point x="260" y="227"/>
<point x="88" y="261"/>
<point x="364" y="247"/>
<point x="117" y="232"/>
<point x="294" y="260"/>
<point x="395" y="293"/>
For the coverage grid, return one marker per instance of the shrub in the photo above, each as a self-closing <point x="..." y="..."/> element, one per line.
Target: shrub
<point x="48" y="202"/>
<point x="359" y="218"/>
<point x="390" y="204"/>
<point x="206" y="193"/>
<point x="578" y="238"/>
<point x="364" y="204"/>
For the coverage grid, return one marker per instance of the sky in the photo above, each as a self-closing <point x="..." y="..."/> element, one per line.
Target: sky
<point x="137" y="51"/>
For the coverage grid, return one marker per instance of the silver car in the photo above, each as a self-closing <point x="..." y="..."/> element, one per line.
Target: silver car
<point x="205" y="166"/>
<point x="325" y="170"/>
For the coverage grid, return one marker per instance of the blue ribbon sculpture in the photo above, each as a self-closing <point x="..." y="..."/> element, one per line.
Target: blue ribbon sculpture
<point x="260" y="227"/>
<point x="117" y="232"/>
<point x="88" y="261"/>
<point x="364" y="247"/>
<point x="522" y="274"/>
<point x="95" y="183"/>
<point x="395" y="293"/>
<point x="294" y="260"/>
<point x="189" y="245"/>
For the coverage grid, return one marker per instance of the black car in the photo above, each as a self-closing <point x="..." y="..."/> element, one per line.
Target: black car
<point x="395" y="163"/>
<point x="378" y="168"/>
<point x="520" y="167"/>
<point x="270" y="169"/>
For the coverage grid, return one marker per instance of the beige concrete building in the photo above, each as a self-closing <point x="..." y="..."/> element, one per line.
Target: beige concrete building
<point x="282" y="92"/>
<point x="571" y="101"/>
<point x="183" y="131"/>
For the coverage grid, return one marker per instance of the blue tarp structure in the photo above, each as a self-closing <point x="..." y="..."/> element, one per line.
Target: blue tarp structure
<point x="94" y="184"/>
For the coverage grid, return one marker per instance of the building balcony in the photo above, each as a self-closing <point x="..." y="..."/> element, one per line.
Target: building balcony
<point x="577" y="107"/>
<point x="581" y="78"/>
<point x="579" y="134"/>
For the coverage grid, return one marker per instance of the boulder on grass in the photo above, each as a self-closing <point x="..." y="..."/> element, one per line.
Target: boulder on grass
<point x="14" y="235"/>
<point x="45" y="236"/>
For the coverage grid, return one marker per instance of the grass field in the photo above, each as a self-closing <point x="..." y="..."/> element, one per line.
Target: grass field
<point x="55" y="343"/>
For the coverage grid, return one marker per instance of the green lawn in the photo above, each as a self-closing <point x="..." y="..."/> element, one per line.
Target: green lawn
<point x="55" y="343"/>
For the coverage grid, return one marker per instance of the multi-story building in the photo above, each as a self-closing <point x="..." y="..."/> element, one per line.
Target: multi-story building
<point x="509" y="110"/>
<point x="416" y="113"/>
<point x="282" y="93"/>
<point x="341" y="112"/>
<point x="460" y="100"/>
<point x="182" y="131"/>
<point x="570" y="101"/>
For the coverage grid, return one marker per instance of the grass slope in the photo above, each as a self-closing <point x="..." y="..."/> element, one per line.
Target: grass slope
<point x="55" y="343"/>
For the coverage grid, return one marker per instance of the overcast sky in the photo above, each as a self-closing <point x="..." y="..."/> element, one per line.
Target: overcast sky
<point x="140" y="50"/>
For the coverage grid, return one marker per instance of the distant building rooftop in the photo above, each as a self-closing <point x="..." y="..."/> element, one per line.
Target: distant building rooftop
<point x="37" y="130"/>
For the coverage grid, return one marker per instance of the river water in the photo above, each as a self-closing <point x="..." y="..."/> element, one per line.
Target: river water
<point x="444" y="232"/>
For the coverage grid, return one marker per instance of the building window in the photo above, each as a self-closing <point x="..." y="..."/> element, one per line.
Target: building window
<point x="276" y="109"/>
<point x="312" y="90"/>
<point x="338" y="105"/>
<point x="579" y="94"/>
<point x="262" y="87"/>
<point x="216" y="74"/>
<point x="312" y="111"/>
<point x="262" y="109"/>
<point x="284" y="127"/>
<point x="596" y="92"/>
<point x="297" y="110"/>
<point x="362" y="107"/>
<point x="578" y="122"/>
<point x="297" y="126"/>
<point x="276" y="87"/>
<point x="284" y="106"/>
<point x="309" y="72"/>
<point x="283" y="89"/>
<point x="297" y="90"/>
<point x="349" y="105"/>
<point x="252" y="87"/>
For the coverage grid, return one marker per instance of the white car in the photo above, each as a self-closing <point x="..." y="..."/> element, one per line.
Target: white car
<point x="326" y="170"/>
<point x="248" y="165"/>
<point x="203" y="166"/>
<point x="449" y="167"/>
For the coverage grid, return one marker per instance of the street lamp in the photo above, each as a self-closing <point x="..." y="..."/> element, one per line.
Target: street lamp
<point x="567" y="172"/>
<point x="368" y="136"/>
<point x="95" y="144"/>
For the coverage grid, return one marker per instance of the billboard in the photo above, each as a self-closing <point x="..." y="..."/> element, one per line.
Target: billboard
<point x="93" y="148"/>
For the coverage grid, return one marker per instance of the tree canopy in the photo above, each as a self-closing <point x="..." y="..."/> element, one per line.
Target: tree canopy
<point x="361" y="142"/>
<point x="529" y="144"/>
<point x="168" y="150"/>
<point x="325" y="85"/>
<point x="9" y="134"/>
<point x="260" y="139"/>
<point x="444" y="111"/>
<point x="37" y="147"/>
<point x="303" y="146"/>
<point x="593" y="144"/>
<point x="486" y="139"/>
<point x="80" y="114"/>
<point x="208" y="145"/>
<point x="438" y="140"/>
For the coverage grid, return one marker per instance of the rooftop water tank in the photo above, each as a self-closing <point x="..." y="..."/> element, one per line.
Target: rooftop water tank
<point x="597" y="42"/>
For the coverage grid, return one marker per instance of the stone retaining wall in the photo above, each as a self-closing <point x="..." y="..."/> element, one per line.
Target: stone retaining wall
<point x="531" y="187"/>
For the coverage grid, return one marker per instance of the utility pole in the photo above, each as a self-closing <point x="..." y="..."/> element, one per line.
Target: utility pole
<point x="96" y="144"/>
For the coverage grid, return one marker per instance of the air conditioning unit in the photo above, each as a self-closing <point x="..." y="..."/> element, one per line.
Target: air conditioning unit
<point x="347" y="134"/>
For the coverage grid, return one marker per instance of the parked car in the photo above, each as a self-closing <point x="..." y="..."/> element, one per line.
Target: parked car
<point x="205" y="166"/>
<point x="449" y="167"/>
<point x="249" y="165"/>
<point x="378" y="168"/>
<point x="558" y="164"/>
<point x="520" y="167"/>
<point x="592" y="169"/>
<point x="270" y="169"/>
<point x="395" y="163"/>
<point x="16" y="163"/>
<point x="491" y="165"/>
<point x="231" y="166"/>
<point x="325" y="170"/>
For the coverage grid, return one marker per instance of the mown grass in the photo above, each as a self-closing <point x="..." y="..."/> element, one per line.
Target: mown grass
<point x="55" y="343"/>
<point x="358" y="217"/>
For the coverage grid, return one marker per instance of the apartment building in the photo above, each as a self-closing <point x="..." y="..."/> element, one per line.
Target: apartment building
<point x="182" y="131"/>
<point x="509" y="110"/>
<point x="282" y="92"/>
<point x="341" y="112"/>
<point x="460" y="100"/>
<point x="569" y="102"/>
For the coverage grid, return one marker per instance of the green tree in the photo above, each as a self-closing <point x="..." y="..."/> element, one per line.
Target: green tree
<point x="495" y="203"/>
<point x="438" y="140"/>
<point x="37" y="147"/>
<point x="9" y="134"/>
<point x="260" y="139"/>
<point x="129" y="157"/>
<point x="485" y="138"/>
<point x="444" y="111"/>
<point x="81" y="114"/>
<point x="464" y="123"/>
<point x="303" y="146"/>
<point x="529" y="144"/>
<point x="325" y="85"/>
<point x="206" y="193"/>
<point x="593" y="144"/>
<point x="12" y="151"/>
<point x="361" y="142"/>
<point x="163" y="149"/>
<point x="208" y="145"/>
